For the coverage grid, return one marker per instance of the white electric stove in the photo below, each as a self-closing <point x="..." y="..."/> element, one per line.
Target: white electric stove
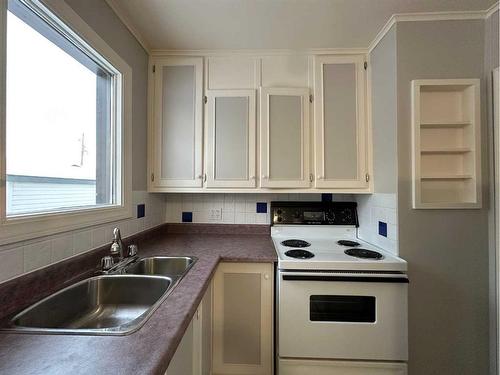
<point x="323" y="247"/>
<point x="341" y="302"/>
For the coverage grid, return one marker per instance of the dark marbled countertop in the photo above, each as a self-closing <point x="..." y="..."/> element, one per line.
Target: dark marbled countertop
<point x="150" y="349"/>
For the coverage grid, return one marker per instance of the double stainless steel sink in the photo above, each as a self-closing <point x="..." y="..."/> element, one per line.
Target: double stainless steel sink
<point x="112" y="304"/>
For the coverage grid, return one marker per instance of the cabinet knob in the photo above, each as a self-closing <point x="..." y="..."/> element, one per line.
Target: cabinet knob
<point x="266" y="276"/>
<point x="320" y="177"/>
<point x="252" y="177"/>
<point x="264" y="177"/>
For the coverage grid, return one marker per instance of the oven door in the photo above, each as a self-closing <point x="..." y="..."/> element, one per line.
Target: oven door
<point x="343" y="316"/>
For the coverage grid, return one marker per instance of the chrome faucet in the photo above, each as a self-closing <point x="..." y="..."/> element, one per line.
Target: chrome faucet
<point x="117" y="245"/>
<point x="118" y="260"/>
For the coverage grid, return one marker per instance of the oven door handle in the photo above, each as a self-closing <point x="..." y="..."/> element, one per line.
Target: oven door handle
<point x="400" y="279"/>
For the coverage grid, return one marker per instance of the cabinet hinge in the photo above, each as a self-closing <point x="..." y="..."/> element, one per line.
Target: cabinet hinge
<point x="154" y="68"/>
<point x="205" y="99"/>
<point x="366" y="65"/>
<point x="311" y="98"/>
<point x="152" y="176"/>
<point x="367" y="177"/>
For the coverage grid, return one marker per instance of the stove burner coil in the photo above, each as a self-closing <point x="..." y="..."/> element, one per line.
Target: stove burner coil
<point x="299" y="254"/>
<point x="348" y="243"/>
<point x="364" y="254"/>
<point x="295" y="243"/>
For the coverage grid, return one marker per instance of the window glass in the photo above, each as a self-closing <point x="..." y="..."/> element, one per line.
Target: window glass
<point x="59" y="122"/>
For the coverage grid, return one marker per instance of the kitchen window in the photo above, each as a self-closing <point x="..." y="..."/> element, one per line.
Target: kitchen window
<point x="66" y="114"/>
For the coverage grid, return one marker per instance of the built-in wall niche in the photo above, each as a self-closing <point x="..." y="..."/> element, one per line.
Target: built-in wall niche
<point x="446" y="143"/>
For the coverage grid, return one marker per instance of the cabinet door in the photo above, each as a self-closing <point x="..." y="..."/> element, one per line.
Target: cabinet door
<point x="340" y="130"/>
<point x="230" y="141"/>
<point x="187" y="357"/>
<point x="177" y="122"/>
<point x="194" y="353"/>
<point x="206" y="332"/>
<point x="284" y="137"/>
<point x="243" y="319"/>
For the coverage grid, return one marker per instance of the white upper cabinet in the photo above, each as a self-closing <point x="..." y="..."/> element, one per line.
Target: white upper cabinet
<point x="176" y="131"/>
<point x="232" y="72"/>
<point x="340" y="122"/>
<point x="240" y="122"/>
<point x="284" y="137"/>
<point x="285" y="71"/>
<point x="230" y="138"/>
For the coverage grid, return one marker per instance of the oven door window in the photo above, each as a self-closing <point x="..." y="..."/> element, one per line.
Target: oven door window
<point x="342" y="309"/>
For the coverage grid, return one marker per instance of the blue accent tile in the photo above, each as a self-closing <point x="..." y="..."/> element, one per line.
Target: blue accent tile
<point x="326" y="197"/>
<point x="187" y="217"/>
<point x="141" y="210"/>
<point x="262" y="207"/>
<point x="382" y="228"/>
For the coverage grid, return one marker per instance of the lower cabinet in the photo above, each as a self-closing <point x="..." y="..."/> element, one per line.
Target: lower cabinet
<point x="194" y="353"/>
<point x="243" y="319"/>
<point x="325" y="367"/>
<point x="231" y="332"/>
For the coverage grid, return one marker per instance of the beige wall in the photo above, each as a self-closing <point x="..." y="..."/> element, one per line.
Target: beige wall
<point x="98" y="15"/>
<point x="447" y="250"/>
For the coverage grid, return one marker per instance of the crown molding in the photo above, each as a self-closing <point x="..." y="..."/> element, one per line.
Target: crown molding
<point x="258" y="52"/>
<point x="432" y="16"/>
<point x="492" y="9"/>
<point x="114" y="5"/>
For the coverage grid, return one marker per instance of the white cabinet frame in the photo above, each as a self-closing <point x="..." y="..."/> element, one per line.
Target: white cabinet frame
<point x="155" y="138"/>
<point x="361" y="129"/>
<point x="266" y="179"/>
<point x="210" y="145"/>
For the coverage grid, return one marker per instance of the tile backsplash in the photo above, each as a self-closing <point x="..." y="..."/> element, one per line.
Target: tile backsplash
<point x="378" y="222"/>
<point x="22" y="257"/>
<point x="233" y="208"/>
<point x="26" y="256"/>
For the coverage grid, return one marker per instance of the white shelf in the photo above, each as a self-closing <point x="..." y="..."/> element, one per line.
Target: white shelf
<point x="447" y="177"/>
<point x="444" y="124"/>
<point x="449" y="150"/>
<point x="446" y="139"/>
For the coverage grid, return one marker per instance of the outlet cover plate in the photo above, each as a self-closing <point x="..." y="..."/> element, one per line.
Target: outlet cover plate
<point x="215" y="214"/>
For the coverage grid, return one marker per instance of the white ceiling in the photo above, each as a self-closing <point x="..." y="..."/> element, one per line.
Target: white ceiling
<point x="283" y="24"/>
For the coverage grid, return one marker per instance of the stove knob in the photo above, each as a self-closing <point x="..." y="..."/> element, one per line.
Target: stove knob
<point x="279" y="212"/>
<point x="280" y="219"/>
<point x="297" y="215"/>
<point x="330" y="216"/>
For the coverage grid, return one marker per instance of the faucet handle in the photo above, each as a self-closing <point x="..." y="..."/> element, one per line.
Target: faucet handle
<point x="107" y="263"/>
<point x="132" y="250"/>
<point x="115" y="248"/>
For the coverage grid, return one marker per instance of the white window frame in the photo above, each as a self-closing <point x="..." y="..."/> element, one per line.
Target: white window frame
<point x="13" y="229"/>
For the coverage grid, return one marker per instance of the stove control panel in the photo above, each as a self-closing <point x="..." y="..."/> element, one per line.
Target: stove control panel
<point x="314" y="213"/>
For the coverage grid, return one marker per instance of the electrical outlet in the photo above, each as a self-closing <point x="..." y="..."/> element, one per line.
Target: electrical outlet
<point x="215" y="214"/>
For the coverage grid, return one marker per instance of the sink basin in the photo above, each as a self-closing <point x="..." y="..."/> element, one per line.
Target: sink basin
<point x="164" y="266"/>
<point x="108" y="304"/>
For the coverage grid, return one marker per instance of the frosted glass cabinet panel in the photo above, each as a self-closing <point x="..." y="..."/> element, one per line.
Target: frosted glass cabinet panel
<point x="284" y="137"/>
<point x="243" y="319"/>
<point x="230" y="141"/>
<point x="177" y="122"/>
<point x="340" y="131"/>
